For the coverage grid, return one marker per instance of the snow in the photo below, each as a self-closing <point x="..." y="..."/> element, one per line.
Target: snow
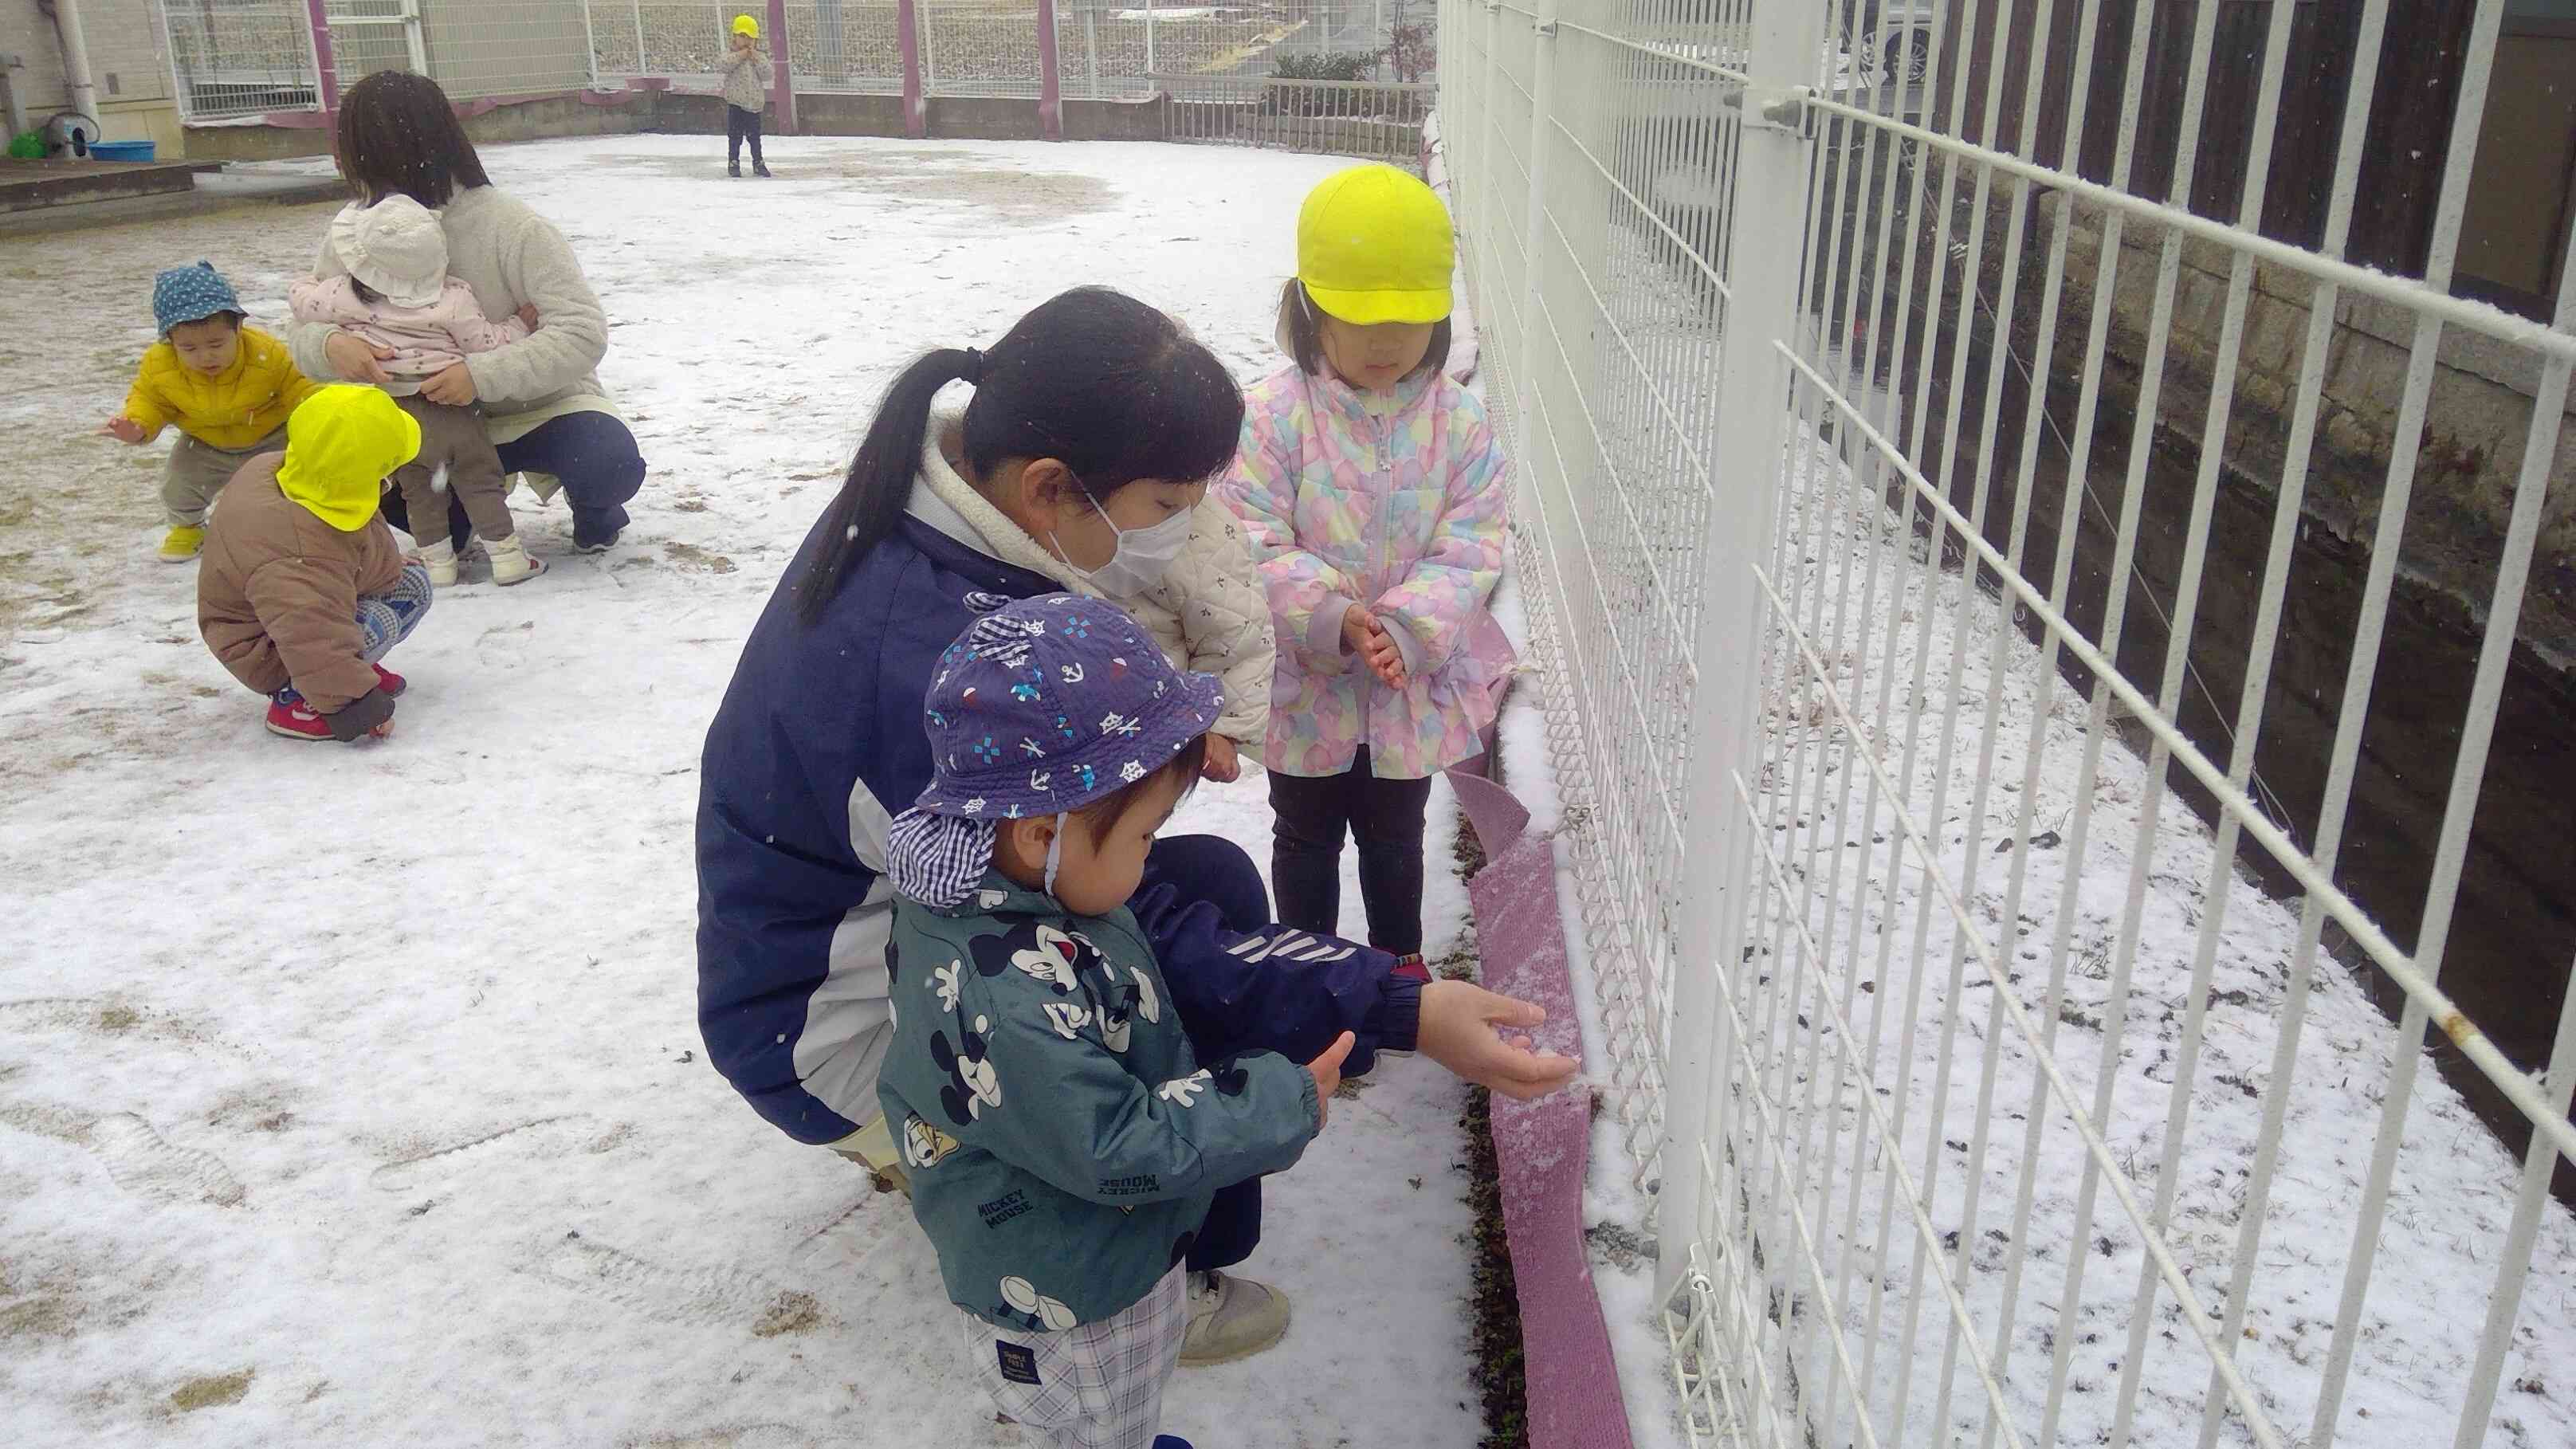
<point x="2428" y="1297"/>
<point x="354" y="1096"/>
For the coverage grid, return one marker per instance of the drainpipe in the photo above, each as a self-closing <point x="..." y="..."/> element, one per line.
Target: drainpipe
<point x="67" y="26"/>
<point x="16" y="103"/>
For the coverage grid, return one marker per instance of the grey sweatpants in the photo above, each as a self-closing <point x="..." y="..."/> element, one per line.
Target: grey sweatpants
<point x="198" y="471"/>
<point x="457" y="456"/>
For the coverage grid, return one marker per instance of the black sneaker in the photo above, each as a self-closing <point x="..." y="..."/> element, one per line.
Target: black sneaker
<point x="734" y="170"/>
<point x="760" y="168"/>
<point x="594" y="543"/>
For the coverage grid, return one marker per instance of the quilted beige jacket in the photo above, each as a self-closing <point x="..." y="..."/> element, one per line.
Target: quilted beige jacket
<point x="1210" y="614"/>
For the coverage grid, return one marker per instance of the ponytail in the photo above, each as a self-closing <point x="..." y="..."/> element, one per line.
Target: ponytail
<point x="1111" y="388"/>
<point x="879" y="483"/>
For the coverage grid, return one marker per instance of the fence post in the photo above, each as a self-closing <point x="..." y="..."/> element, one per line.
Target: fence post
<point x="782" y="78"/>
<point x="1762" y="308"/>
<point x="1542" y="102"/>
<point x="1050" y="90"/>
<point x="1091" y="48"/>
<point x="642" y="66"/>
<point x="1149" y="37"/>
<point x="326" y="67"/>
<point x="590" y="43"/>
<point x="907" y="24"/>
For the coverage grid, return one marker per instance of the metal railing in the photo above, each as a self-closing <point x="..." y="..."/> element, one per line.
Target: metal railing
<point x="1337" y="118"/>
<point x="238" y="60"/>
<point x="2014" y="1012"/>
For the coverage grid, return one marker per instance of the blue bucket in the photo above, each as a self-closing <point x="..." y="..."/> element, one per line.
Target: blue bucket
<point x="121" y="150"/>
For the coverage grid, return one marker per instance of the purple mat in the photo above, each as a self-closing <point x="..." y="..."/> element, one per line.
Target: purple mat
<point x="1542" y="1146"/>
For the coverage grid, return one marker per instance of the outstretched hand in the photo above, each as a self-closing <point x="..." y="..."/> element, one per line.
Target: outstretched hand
<point x="1327" y="1071"/>
<point x="1462" y="1029"/>
<point x="123" y="429"/>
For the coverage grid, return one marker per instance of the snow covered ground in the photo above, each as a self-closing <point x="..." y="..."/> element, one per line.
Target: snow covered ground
<point x="355" y="1096"/>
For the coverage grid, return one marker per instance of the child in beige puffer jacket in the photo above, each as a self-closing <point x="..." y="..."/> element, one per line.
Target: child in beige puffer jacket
<point x="1210" y="615"/>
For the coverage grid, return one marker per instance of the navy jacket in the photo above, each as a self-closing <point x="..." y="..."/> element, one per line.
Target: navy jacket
<point x="818" y="745"/>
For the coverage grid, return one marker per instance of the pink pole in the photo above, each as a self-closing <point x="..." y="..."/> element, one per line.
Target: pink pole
<point x="1050" y="93"/>
<point x="916" y="120"/>
<point x="781" y="84"/>
<point x="324" y="64"/>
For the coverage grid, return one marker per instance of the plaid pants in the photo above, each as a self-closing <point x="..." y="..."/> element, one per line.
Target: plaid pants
<point x="1099" y="1385"/>
<point x="389" y="618"/>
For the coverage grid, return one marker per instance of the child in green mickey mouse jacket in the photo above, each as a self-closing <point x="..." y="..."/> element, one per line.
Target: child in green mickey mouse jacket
<point x="1063" y="1139"/>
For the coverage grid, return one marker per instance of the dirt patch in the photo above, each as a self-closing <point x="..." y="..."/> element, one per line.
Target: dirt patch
<point x="696" y="560"/>
<point x="792" y="1313"/>
<point x="47" y="1315"/>
<point x="212" y="1392"/>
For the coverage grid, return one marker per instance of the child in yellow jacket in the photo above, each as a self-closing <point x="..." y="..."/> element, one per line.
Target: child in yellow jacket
<point x="227" y="386"/>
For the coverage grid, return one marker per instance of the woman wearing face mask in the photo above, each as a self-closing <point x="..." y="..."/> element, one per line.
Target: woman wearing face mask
<point x="1095" y="422"/>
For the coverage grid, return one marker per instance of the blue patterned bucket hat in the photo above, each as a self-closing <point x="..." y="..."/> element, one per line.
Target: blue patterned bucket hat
<point x="1049" y="704"/>
<point x="191" y="294"/>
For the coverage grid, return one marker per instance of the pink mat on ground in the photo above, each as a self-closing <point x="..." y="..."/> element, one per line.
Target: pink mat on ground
<point x="1542" y="1146"/>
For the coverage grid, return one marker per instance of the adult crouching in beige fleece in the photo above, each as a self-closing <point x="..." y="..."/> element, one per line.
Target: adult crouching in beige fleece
<point x="543" y="407"/>
<point x="397" y="294"/>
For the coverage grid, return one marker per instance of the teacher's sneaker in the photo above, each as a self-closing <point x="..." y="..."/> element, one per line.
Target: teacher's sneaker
<point x="1231" y="1318"/>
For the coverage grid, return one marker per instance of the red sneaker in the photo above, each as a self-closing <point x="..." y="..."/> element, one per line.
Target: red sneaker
<point x="1413" y="967"/>
<point x="290" y="716"/>
<point x="388" y="681"/>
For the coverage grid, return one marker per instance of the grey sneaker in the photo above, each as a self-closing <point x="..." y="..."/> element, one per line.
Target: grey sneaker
<point x="1231" y="1318"/>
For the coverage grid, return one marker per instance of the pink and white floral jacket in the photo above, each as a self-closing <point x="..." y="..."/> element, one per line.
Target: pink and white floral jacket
<point x="1393" y="500"/>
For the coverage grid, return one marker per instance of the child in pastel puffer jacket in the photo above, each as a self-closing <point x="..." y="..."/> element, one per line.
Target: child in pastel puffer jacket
<point x="397" y="295"/>
<point x="1373" y="489"/>
<point x="227" y="387"/>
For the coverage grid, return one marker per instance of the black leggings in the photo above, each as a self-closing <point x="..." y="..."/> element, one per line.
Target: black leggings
<point x="741" y="125"/>
<point x="1312" y="816"/>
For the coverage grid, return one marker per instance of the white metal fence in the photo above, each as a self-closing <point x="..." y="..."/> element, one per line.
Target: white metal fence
<point x="235" y="58"/>
<point x="2009" y="1061"/>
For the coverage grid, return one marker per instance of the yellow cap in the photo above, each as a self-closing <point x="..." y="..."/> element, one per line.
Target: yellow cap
<point x="340" y="444"/>
<point x="1374" y="245"/>
<point x="745" y="25"/>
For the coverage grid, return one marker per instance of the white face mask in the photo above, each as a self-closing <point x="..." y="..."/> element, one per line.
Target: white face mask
<point x="1142" y="557"/>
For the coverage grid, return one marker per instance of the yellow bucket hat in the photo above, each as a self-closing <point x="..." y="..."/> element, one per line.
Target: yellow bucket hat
<point x="745" y="25"/>
<point x="340" y="444"/>
<point x="1374" y="245"/>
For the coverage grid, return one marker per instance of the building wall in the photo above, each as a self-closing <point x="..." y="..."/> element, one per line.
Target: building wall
<point x="126" y="61"/>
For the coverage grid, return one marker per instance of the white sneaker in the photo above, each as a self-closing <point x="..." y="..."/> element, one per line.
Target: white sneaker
<point x="440" y="559"/>
<point x="511" y="563"/>
<point x="1231" y="1318"/>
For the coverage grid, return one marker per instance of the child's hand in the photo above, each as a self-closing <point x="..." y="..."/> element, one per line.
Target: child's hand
<point x="1383" y="656"/>
<point x="1224" y="765"/>
<point x="383" y="731"/>
<point x="123" y="429"/>
<point x="528" y="314"/>
<point x="1327" y="1071"/>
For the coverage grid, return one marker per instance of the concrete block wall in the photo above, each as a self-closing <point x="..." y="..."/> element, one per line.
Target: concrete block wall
<point x="2467" y="464"/>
